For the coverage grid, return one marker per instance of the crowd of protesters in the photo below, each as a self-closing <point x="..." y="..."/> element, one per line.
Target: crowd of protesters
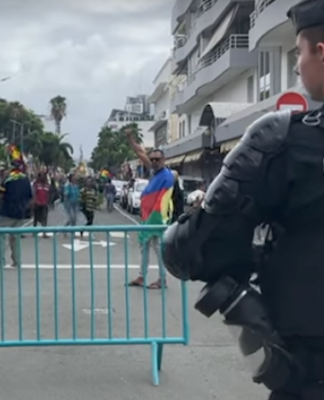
<point x="25" y="199"/>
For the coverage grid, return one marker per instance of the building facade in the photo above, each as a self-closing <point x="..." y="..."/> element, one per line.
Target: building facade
<point x="138" y="104"/>
<point x="119" y="118"/>
<point x="232" y="60"/>
<point x="165" y="127"/>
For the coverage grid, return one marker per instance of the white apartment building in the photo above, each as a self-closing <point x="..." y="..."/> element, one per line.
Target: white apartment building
<point x="165" y="127"/>
<point x="235" y="58"/>
<point x="119" y="118"/>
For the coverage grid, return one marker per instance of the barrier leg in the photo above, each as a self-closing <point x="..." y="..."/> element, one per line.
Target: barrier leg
<point x="160" y="355"/>
<point x="155" y="364"/>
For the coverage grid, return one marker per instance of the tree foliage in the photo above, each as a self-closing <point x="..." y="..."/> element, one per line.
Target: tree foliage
<point x="58" y="111"/>
<point x="113" y="149"/>
<point x="25" y="129"/>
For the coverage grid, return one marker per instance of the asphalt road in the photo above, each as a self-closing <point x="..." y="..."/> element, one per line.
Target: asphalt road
<point x="209" y="368"/>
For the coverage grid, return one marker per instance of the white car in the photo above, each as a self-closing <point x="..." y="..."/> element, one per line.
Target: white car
<point x="119" y="187"/>
<point x="134" y="195"/>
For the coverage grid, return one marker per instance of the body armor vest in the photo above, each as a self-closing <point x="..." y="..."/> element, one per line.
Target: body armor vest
<point x="292" y="279"/>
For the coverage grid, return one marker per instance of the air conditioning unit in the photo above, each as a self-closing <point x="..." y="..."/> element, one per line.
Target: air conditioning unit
<point x="180" y="40"/>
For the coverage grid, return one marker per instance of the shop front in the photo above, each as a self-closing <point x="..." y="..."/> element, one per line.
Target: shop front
<point x="186" y="154"/>
<point x="198" y="155"/>
<point x="230" y="131"/>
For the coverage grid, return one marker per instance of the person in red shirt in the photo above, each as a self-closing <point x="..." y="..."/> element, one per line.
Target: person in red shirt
<point x="41" y="189"/>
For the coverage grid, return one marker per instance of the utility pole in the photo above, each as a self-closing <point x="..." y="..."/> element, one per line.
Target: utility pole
<point x="13" y="133"/>
<point x="22" y="138"/>
<point x="21" y="133"/>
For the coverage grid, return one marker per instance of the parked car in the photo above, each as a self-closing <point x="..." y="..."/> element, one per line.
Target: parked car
<point x="123" y="196"/>
<point x="119" y="186"/>
<point x="189" y="184"/>
<point x="123" y="200"/>
<point x="134" y="195"/>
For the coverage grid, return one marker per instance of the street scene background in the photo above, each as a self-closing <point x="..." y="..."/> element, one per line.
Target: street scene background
<point x="210" y="367"/>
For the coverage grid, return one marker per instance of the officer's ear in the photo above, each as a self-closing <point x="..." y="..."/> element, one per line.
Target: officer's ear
<point x="315" y="39"/>
<point x="320" y="47"/>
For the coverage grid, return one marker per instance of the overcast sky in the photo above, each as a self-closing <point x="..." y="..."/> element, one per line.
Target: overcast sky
<point x="93" y="52"/>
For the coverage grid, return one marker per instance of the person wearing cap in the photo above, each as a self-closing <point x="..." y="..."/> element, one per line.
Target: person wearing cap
<point x="275" y="175"/>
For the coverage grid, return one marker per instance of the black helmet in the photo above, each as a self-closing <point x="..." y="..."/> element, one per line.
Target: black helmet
<point x="174" y="251"/>
<point x="192" y="245"/>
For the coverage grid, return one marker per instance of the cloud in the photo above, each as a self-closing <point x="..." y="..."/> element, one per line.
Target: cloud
<point x="93" y="52"/>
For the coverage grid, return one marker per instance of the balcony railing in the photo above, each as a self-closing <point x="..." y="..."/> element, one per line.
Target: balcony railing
<point x="238" y="41"/>
<point x="207" y="5"/>
<point x="259" y="10"/>
<point x="179" y="41"/>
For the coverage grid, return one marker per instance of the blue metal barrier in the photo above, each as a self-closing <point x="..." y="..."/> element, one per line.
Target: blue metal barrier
<point x="37" y="304"/>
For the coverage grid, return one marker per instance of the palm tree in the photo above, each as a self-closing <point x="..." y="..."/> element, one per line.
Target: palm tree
<point x="17" y="110"/>
<point x="33" y="143"/>
<point x="49" y="149"/>
<point x="55" y="150"/>
<point x="58" y="111"/>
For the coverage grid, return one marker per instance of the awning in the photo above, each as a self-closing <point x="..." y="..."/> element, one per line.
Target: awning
<point x="193" y="156"/>
<point x="157" y="125"/>
<point x="228" y="146"/>
<point x="158" y="91"/>
<point x="175" y="160"/>
<point x="220" y="32"/>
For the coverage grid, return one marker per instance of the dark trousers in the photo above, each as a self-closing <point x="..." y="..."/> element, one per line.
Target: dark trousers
<point x="309" y="351"/>
<point x="40" y="215"/>
<point x="89" y="217"/>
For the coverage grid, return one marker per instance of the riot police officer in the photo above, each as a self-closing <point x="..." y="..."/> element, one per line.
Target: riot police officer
<point x="274" y="175"/>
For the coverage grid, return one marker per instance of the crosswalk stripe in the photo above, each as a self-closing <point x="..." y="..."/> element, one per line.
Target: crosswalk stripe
<point x="78" y="266"/>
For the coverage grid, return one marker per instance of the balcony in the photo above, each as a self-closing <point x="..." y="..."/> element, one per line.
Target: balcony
<point x="220" y="66"/>
<point x="178" y="12"/>
<point x="207" y="15"/>
<point x="269" y="23"/>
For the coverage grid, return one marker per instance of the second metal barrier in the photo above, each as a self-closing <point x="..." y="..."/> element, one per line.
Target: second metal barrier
<point x="73" y="290"/>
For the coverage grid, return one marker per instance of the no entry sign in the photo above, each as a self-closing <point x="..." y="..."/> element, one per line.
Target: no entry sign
<point x="293" y="101"/>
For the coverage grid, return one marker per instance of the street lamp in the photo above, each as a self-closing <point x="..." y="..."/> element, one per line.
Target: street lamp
<point x="21" y="133"/>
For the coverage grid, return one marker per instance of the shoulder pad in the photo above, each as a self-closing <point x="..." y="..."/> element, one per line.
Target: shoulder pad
<point x="268" y="132"/>
<point x="264" y="137"/>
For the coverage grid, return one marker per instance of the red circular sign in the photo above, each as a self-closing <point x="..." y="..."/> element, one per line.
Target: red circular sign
<point x="293" y="101"/>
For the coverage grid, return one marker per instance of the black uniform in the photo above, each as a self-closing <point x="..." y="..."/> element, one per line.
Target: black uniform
<point x="276" y="176"/>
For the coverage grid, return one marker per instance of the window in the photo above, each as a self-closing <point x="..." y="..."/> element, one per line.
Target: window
<point x="183" y="128"/>
<point x="291" y="74"/>
<point x="189" y="124"/>
<point x="250" y="89"/>
<point x="264" y="75"/>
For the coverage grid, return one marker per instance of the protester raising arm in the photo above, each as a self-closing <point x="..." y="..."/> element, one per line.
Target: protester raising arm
<point x="138" y="149"/>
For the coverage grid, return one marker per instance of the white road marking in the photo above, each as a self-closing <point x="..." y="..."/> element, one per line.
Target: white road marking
<point x="100" y="311"/>
<point x="120" y="235"/>
<point x="81" y="245"/>
<point x="78" y="266"/>
<point x="123" y="213"/>
<point x="76" y="234"/>
<point x="29" y="222"/>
